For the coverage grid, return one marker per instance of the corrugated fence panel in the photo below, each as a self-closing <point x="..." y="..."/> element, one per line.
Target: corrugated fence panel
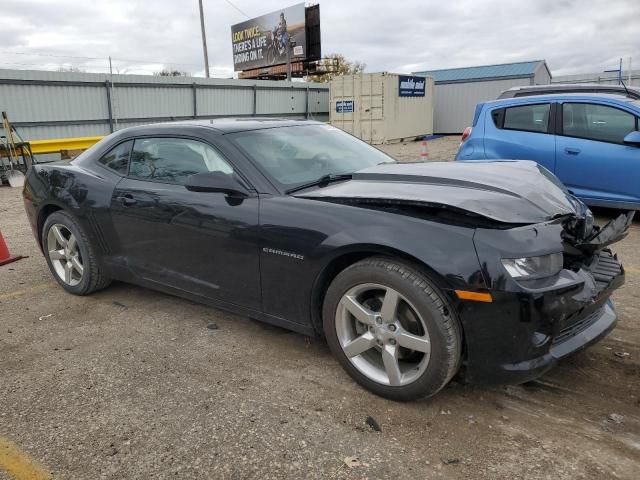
<point x="149" y="102"/>
<point x="285" y="101"/>
<point x="29" y="103"/>
<point x="45" y="104"/>
<point x="319" y="101"/>
<point x="214" y="101"/>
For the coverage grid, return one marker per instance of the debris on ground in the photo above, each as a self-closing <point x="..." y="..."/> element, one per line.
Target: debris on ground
<point x="352" y="462"/>
<point x="373" y="424"/>
<point x="119" y="304"/>
<point x="615" y="418"/>
<point x="451" y="461"/>
<point x="621" y="354"/>
<point x="111" y="451"/>
<point x="212" y="326"/>
<point x="45" y="316"/>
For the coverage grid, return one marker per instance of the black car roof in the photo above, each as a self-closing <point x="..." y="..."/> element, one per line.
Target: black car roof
<point x="231" y="124"/>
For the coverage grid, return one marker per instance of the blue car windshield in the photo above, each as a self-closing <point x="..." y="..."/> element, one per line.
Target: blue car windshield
<point x="297" y="155"/>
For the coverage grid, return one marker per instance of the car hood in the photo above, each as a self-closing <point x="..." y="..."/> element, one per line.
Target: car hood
<point x="515" y="191"/>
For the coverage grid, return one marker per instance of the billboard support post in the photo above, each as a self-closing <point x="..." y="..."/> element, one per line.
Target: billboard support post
<point x="289" y="47"/>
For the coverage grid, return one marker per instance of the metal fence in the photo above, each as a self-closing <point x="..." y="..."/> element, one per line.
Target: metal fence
<point x="605" y="78"/>
<point x="45" y="105"/>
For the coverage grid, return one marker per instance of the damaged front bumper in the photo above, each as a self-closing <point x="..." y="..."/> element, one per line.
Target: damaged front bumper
<point x="529" y="326"/>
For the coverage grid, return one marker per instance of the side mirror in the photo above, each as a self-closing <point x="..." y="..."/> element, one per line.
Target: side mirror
<point x="227" y="183"/>
<point x="633" y="139"/>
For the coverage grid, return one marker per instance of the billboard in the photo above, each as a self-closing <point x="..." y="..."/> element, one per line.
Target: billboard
<point x="263" y="41"/>
<point x="410" y="86"/>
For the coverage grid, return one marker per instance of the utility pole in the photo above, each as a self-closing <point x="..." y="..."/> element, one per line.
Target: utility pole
<point x="204" y="41"/>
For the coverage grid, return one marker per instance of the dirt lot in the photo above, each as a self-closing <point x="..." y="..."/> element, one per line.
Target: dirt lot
<point x="441" y="149"/>
<point x="130" y="383"/>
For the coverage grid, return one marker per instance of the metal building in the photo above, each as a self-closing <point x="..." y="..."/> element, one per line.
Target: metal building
<point x="458" y="90"/>
<point x="45" y="105"/>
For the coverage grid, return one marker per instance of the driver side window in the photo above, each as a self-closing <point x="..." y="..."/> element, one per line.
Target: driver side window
<point x="174" y="160"/>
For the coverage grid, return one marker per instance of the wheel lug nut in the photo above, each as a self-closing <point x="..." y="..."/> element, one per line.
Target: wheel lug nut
<point x="392" y="341"/>
<point x="378" y="319"/>
<point x="392" y="327"/>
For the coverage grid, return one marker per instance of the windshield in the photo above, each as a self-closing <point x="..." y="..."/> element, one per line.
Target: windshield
<point x="293" y="156"/>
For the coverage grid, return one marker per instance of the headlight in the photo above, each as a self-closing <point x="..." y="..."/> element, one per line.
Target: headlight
<point x="588" y="224"/>
<point x="528" y="268"/>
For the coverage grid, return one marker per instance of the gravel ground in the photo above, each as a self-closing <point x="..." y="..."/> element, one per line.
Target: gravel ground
<point x="130" y="383"/>
<point x="441" y="149"/>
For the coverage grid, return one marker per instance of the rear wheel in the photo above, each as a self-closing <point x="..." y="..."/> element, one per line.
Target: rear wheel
<point x="70" y="256"/>
<point x="391" y="329"/>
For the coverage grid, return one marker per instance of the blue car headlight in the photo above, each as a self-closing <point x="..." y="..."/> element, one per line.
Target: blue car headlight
<point x="529" y="268"/>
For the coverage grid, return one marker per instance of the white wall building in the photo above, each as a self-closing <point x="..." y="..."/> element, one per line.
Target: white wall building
<point x="458" y="90"/>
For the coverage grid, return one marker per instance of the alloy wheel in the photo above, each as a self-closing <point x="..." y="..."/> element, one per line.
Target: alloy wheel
<point x="382" y="334"/>
<point x="62" y="247"/>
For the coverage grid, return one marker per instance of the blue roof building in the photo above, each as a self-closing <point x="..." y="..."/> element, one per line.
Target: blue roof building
<point x="458" y="90"/>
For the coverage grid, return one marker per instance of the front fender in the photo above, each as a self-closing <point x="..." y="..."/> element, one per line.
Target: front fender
<point x="304" y="240"/>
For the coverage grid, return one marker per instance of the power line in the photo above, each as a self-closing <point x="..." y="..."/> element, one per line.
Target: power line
<point x="238" y="9"/>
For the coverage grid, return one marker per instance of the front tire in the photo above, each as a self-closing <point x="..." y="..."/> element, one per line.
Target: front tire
<point x="71" y="257"/>
<point x="391" y="329"/>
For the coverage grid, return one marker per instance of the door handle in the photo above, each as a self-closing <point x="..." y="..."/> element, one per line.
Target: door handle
<point x="127" y="200"/>
<point x="572" y="151"/>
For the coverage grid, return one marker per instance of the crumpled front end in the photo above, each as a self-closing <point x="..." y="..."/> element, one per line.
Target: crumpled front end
<point x="532" y="323"/>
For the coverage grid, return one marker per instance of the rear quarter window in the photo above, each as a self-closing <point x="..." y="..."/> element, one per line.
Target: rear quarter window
<point x="117" y="159"/>
<point x="527" y="118"/>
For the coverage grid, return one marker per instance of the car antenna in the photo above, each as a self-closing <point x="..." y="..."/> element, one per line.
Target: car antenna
<point x="625" y="88"/>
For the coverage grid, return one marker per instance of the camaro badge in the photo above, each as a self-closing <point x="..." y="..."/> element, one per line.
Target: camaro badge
<point x="297" y="256"/>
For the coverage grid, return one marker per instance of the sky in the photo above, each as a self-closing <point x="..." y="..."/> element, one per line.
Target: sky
<point x="574" y="36"/>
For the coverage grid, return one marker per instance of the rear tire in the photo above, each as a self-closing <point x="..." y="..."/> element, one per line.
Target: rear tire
<point x="71" y="257"/>
<point x="391" y="329"/>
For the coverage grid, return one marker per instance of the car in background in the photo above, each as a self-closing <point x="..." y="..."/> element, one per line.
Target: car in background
<point x="590" y="142"/>
<point x="529" y="90"/>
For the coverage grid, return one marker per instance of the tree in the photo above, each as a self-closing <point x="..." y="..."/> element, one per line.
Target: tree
<point x="169" y="72"/>
<point x="336" y="65"/>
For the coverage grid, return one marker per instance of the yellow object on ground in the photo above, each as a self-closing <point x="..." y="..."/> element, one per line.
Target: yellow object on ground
<point x="19" y="465"/>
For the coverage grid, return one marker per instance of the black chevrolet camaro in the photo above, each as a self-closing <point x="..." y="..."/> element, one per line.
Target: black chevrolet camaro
<point x="412" y="272"/>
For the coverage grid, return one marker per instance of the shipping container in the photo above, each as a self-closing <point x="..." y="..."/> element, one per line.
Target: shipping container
<point x="382" y="107"/>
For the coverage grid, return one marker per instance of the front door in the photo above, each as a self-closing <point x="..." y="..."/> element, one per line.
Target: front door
<point x="199" y="242"/>
<point x="592" y="160"/>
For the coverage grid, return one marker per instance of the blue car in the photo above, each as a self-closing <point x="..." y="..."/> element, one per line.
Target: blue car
<point x="591" y="142"/>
